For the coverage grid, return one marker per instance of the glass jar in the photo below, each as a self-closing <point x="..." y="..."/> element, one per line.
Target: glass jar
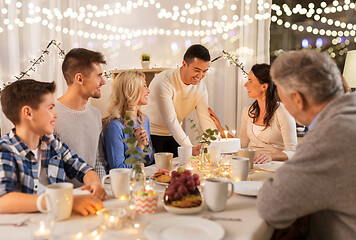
<point x="138" y="176"/>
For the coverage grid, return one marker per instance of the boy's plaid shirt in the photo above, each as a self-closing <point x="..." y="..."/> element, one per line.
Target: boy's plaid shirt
<point x="19" y="168"/>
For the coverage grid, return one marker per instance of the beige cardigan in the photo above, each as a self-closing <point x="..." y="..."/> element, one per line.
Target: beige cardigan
<point x="280" y="136"/>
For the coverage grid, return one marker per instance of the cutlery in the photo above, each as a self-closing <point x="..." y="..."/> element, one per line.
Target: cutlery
<point x="213" y="218"/>
<point x="18" y="224"/>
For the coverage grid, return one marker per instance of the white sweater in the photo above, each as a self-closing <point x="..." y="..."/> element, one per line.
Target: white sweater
<point x="280" y="136"/>
<point x="80" y="130"/>
<point x="170" y="101"/>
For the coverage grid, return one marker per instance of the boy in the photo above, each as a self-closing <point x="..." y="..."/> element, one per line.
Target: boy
<point x="29" y="105"/>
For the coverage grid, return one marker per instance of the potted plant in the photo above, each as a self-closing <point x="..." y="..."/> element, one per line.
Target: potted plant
<point x="145" y="61"/>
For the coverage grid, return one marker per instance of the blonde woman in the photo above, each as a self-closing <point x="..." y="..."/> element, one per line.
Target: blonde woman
<point x="129" y="92"/>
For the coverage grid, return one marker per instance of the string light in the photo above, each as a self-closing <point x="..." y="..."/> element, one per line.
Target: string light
<point x="85" y="15"/>
<point x="310" y="13"/>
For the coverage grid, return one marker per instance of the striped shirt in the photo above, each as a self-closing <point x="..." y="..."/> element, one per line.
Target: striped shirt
<point x="19" y="167"/>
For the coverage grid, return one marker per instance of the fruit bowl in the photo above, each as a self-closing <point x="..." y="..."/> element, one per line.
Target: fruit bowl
<point x="177" y="210"/>
<point x="182" y="196"/>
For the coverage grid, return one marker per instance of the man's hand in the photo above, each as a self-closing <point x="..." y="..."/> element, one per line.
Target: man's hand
<point x="86" y="204"/>
<point x="196" y="150"/>
<point x="263" y="158"/>
<point x="96" y="190"/>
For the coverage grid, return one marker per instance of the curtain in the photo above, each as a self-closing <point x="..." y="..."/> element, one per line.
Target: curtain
<point x="123" y="30"/>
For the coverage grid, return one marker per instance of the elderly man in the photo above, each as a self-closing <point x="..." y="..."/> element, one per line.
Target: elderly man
<point x="317" y="182"/>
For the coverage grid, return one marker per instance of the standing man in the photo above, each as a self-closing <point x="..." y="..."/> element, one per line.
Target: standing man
<point x="78" y="123"/>
<point x="317" y="182"/>
<point x="174" y="94"/>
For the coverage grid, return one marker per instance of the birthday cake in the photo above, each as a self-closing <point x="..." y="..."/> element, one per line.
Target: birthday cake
<point x="229" y="145"/>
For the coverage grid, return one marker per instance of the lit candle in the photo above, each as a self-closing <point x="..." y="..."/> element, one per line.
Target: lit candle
<point x="226" y="132"/>
<point x="219" y="136"/>
<point x="234" y="132"/>
<point x="42" y="232"/>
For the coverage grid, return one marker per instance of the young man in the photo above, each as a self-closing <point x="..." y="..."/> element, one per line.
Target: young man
<point x="79" y="123"/>
<point x="317" y="182"/>
<point x="174" y="94"/>
<point x="31" y="157"/>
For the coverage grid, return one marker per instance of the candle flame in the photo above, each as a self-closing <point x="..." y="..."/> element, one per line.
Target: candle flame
<point x="226" y="132"/>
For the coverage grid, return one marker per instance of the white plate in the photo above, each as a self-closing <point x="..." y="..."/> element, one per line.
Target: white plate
<point x="177" y="210"/>
<point x="248" y="188"/>
<point x="271" y="166"/>
<point x="183" y="227"/>
<point x="157" y="182"/>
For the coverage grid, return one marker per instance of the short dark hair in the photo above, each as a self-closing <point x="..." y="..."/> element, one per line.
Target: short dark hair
<point x="196" y="51"/>
<point x="26" y="92"/>
<point x="80" y="60"/>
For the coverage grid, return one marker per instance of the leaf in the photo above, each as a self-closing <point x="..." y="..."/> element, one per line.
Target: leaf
<point x="216" y="131"/>
<point x="147" y="149"/>
<point x="227" y="127"/>
<point x="213" y="138"/>
<point x="130" y="123"/>
<point x="131" y="160"/>
<point x="128" y="130"/>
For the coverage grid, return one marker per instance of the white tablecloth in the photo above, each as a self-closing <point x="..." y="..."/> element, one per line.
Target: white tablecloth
<point x="238" y="206"/>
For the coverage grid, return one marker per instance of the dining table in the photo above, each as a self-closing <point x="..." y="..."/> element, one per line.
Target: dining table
<point x="240" y="219"/>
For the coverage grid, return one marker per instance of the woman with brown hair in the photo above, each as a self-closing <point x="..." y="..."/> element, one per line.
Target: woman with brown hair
<point x="265" y="125"/>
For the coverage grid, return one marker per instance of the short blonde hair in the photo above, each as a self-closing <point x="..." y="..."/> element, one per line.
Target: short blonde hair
<point x="125" y="95"/>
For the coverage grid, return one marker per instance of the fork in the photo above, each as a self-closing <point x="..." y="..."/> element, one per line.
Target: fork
<point x="213" y="218"/>
<point x="18" y="224"/>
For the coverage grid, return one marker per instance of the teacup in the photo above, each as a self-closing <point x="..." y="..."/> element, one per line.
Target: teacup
<point x="59" y="200"/>
<point x="120" y="182"/>
<point x="239" y="168"/>
<point x="216" y="193"/>
<point x="164" y="160"/>
<point x="184" y="154"/>
<point x="248" y="153"/>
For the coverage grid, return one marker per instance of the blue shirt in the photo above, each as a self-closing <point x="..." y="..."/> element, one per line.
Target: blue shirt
<point x="19" y="168"/>
<point x="114" y="148"/>
<point x="312" y="124"/>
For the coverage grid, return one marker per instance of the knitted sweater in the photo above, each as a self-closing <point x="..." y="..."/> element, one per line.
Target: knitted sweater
<point x="171" y="101"/>
<point x="318" y="180"/>
<point x="80" y="130"/>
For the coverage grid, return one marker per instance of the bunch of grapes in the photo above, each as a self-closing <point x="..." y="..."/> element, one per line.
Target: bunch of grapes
<point x="183" y="183"/>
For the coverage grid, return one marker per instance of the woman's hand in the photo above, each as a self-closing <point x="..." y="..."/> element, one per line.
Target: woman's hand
<point x="263" y="158"/>
<point x="215" y="119"/>
<point x="141" y="136"/>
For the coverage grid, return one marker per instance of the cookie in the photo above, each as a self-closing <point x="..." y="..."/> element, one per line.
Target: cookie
<point x="164" y="179"/>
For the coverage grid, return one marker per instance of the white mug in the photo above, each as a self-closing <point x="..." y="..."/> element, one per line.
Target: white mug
<point x="216" y="193"/>
<point x="59" y="200"/>
<point x="119" y="181"/>
<point x="249" y="153"/>
<point x="239" y="168"/>
<point x="184" y="154"/>
<point x="164" y="160"/>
